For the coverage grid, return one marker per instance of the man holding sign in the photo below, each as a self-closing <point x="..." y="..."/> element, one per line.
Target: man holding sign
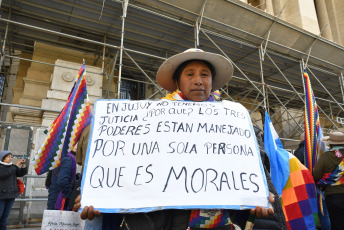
<point x="195" y="160"/>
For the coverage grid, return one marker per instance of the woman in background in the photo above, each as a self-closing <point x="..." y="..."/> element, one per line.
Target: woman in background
<point x="8" y="184"/>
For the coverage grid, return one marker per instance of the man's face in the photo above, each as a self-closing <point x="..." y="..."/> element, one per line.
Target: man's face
<point x="196" y="81"/>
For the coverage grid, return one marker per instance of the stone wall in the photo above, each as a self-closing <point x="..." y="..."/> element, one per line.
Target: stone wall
<point x="46" y="86"/>
<point x="63" y="79"/>
<point x="34" y="79"/>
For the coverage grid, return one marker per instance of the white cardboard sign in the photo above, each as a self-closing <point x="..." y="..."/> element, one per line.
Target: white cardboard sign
<point x="61" y="220"/>
<point x="149" y="155"/>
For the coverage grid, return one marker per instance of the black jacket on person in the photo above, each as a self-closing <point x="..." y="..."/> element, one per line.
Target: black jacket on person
<point x="300" y="152"/>
<point x="8" y="180"/>
<point x="60" y="183"/>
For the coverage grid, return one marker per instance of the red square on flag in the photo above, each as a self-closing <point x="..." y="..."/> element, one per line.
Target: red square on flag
<point x="307" y="177"/>
<point x="293" y="211"/>
<point x="301" y="192"/>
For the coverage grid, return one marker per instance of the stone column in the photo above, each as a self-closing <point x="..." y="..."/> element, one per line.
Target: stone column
<point x="267" y="6"/>
<point x="323" y="19"/>
<point x="277" y="6"/>
<point x="339" y="6"/>
<point x="22" y="72"/>
<point x="335" y="15"/>
<point x="18" y="89"/>
<point x="302" y="13"/>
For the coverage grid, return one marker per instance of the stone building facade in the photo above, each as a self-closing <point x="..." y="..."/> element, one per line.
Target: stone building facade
<point x="37" y="81"/>
<point x="310" y="15"/>
<point x="34" y="80"/>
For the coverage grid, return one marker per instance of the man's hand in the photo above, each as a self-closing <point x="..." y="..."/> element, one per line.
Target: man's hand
<point x="87" y="212"/>
<point x="20" y="162"/>
<point x="263" y="212"/>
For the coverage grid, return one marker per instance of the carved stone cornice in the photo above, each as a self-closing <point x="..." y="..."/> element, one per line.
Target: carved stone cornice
<point x="17" y="89"/>
<point x="69" y="77"/>
<point x="37" y="82"/>
<point x="26" y="112"/>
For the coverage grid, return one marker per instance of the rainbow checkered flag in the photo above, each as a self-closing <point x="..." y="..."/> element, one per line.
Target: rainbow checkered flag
<point x="299" y="198"/>
<point x="312" y="125"/>
<point x="65" y="131"/>
<point x="313" y="133"/>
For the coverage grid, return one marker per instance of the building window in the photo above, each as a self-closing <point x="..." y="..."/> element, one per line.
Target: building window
<point x="132" y="90"/>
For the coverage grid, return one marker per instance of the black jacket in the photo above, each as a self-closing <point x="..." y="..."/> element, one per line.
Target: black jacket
<point x="60" y="183"/>
<point x="172" y="219"/>
<point x="300" y="152"/>
<point x="8" y="180"/>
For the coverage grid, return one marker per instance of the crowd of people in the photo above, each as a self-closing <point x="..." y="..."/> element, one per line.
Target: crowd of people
<point x="189" y="76"/>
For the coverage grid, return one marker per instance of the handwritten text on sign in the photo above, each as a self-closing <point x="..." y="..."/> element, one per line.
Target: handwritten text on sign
<point x="147" y="155"/>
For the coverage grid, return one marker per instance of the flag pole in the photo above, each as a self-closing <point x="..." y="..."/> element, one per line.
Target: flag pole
<point x="341" y="83"/>
<point x="302" y="66"/>
<point x="125" y="6"/>
<point x="261" y="59"/>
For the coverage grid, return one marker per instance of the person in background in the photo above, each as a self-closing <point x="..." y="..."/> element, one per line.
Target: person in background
<point x="8" y="184"/>
<point x="300" y="152"/>
<point x="82" y="146"/>
<point x="190" y="76"/>
<point x="60" y="188"/>
<point x="329" y="175"/>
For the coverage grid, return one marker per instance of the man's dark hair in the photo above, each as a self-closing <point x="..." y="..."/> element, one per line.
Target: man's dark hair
<point x="179" y="70"/>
